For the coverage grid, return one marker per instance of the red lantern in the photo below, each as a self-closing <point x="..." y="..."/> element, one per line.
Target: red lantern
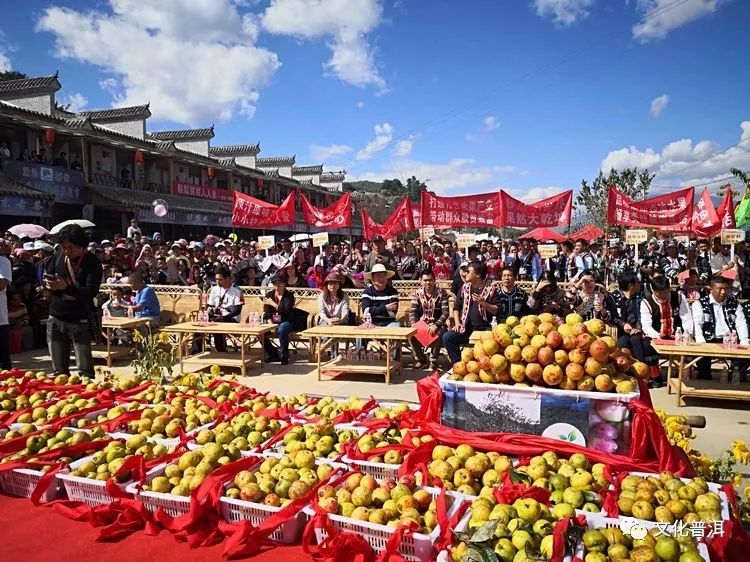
<point x="211" y="172"/>
<point x="139" y="157"/>
<point x="49" y="136"/>
<point x="260" y="182"/>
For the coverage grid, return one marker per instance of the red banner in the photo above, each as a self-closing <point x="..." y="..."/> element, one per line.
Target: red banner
<point x="249" y="212"/>
<point x="705" y="218"/>
<point x="336" y="215"/>
<point x="726" y="210"/>
<point x="201" y="191"/>
<point x="400" y="221"/>
<point x="672" y="212"/>
<point x="553" y="211"/>
<point x="467" y="210"/>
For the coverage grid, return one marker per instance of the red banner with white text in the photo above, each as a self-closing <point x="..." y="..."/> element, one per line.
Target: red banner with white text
<point x="336" y="215"/>
<point x="249" y="212"/>
<point x="670" y="212"/>
<point x="400" y="221"/>
<point x="705" y="217"/>
<point x="466" y="210"/>
<point x="550" y="212"/>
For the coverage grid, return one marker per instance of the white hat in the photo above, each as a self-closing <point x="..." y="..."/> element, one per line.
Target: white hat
<point x="105" y="242"/>
<point x="28" y="246"/>
<point x="380" y="268"/>
<point x="39" y="245"/>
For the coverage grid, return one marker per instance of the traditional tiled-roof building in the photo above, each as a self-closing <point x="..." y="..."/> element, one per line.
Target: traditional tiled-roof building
<point x="106" y="165"/>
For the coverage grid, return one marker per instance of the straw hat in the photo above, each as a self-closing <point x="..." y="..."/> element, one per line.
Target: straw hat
<point x="379" y="268"/>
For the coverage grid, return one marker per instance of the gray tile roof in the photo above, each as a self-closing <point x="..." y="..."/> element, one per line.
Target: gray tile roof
<point x="235" y="150"/>
<point x="10" y="186"/>
<point x="275" y="161"/>
<point x="333" y="176"/>
<point x="272" y="173"/>
<point x="118" y="113"/>
<point x="30" y="84"/>
<point x="226" y="161"/>
<point x="307" y="170"/>
<point x="79" y="123"/>
<point x="144" y="199"/>
<point x="185" y="134"/>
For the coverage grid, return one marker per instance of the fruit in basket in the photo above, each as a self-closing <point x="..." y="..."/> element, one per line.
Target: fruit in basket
<point x="245" y="431"/>
<point x="48" y="441"/>
<point x="329" y="408"/>
<point x="191" y="469"/>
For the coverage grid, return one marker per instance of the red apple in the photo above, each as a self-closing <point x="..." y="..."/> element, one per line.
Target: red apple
<point x="599" y="351"/>
<point x="554" y="339"/>
<point x="584" y="341"/>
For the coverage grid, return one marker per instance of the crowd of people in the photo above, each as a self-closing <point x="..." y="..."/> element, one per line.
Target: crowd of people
<point x="693" y="288"/>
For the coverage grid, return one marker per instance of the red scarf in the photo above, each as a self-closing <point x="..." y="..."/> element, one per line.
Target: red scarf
<point x="666" y="318"/>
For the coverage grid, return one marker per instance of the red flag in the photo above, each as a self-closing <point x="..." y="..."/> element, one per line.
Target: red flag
<point x="400" y="221"/>
<point x="726" y="210"/>
<point x="336" y="215"/>
<point x="670" y="212"/>
<point x="705" y="219"/>
<point x="553" y="211"/>
<point x="467" y="210"/>
<point x="417" y="214"/>
<point x="249" y="212"/>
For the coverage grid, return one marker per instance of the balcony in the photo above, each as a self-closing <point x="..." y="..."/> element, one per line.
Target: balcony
<point x="107" y="180"/>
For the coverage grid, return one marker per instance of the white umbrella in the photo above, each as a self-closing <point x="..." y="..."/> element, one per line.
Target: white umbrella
<point x="300" y="237"/>
<point x="28" y="231"/>
<point x="83" y="223"/>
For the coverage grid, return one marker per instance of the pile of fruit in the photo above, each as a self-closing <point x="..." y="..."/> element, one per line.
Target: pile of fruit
<point x="46" y="441"/>
<point x="272" y="402"/>
<point x="385" y="502"/>
<point x="327" y="407"/>
<point x="666" y="499"/>
<point x="112" y="413"/>
<point x="381" y="439"/>
<point x="279" y="481"/>
<point x="182" y="477"/>
<point x="166" y="421"/>
<point x="12" y="400"/>
<point x="321" y="438"/>
<point x="105" y="463"/>
<point x="536" y="350"/>
<point x="71" y="404"/>
<point x="612" y="544"/>
<point x="390" y="412"/>
<point x="244" y="431"/>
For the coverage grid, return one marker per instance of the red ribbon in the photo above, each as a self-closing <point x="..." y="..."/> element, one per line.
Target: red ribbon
<point x="509" y="492"/>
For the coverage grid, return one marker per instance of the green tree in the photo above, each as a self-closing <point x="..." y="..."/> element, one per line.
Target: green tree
<point x="11" y="75"/>
<point x="414" y="188"/>
<point x="591" y="201"/>
<point x="392" y="188"/>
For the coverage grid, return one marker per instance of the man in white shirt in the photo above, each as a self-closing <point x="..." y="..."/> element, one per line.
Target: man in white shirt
<point x="134" y="231"/>
<point x="224" y="303"/>
<point x="662" y="314"/>
<point x="715" y="315"/>
<point x="6" y="276"/>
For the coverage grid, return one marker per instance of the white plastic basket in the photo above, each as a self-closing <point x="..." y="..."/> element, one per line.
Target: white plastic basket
<point x="606" y="522"/>
<point x="712" y="487"/>
<point x="171" y="504"/>
<point x="463" y="525"/>
<point x="22" y="482"/>
<point x="234" y="510"/>
<point x="417" y="546"/>
<point x="89" y="491"/>
<point x="380" y="470"/>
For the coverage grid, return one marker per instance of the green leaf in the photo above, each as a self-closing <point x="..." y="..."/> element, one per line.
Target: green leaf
<point x="592" y="497"/>
<point x="485" y="532"/>
<point x="563" y="437"/>
<point x="516" y="477"/>
<point x="572" y="436"/>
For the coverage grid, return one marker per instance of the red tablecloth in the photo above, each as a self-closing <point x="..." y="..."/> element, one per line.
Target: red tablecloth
<point x="39" y="534"/>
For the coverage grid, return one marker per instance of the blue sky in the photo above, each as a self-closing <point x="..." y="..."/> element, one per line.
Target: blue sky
<point x="530" y="95"/>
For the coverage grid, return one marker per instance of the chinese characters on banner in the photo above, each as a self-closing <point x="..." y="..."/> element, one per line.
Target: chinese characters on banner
<point x="467" y="210"/>
<point x="336" y="215"/>
<point x="670" y="212"/>
<point x="400" y="221"/>
<point x="249" y="212"/>
<point x="202" y="191"/>
<point x="705" y="218"/>
<point x="553" y="211"/>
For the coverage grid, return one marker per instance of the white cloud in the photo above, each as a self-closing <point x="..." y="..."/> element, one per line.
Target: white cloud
<point x="658" y="105"/>
<point x="360" y="104"/>
<point x="75" y="102"/>
<point x="404" y="147"/>
<point x="5" y="65"/>
<point x="662" y="16"/>
<point x="563" y="12"/>
<point x="383" y="137"/>
<point x="683" y="162"/>
<point x="345" y="23"/>
<point x="194" y="60"/>
<point x="322" y="153"/>
<point x="490" y="123"/>
<point x="507" y="169"/>
<point x="536" y="193"/>
<point x="446" y="178"/>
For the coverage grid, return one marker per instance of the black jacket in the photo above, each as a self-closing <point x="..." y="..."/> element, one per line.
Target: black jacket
<point x="286" y="306"/>
<point x="75" y="302"/>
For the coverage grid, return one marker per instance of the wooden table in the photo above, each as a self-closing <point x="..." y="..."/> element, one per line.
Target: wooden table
<point x="388" y="335"/>
<point x="109" y="325"/>
<point x="686" y="356"/>
<point x="244" y="334"/>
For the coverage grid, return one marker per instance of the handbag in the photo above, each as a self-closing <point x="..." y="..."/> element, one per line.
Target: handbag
<point x="92" y="315"/>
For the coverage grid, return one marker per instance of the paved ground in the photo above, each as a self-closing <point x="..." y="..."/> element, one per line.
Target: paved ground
<point x="725" y="420"/>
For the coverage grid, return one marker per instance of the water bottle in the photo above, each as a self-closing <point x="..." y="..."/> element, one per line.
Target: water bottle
<point x="678" y="339"/>
<point x="725" y="341"/>
<point x="493" y="324"/>
<point x="368" y="319"/>
<point x="107" y="313"/>
<point x="735" y="341"/>
<point x="130" y="312"/>
<point x="735" y="374"/>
